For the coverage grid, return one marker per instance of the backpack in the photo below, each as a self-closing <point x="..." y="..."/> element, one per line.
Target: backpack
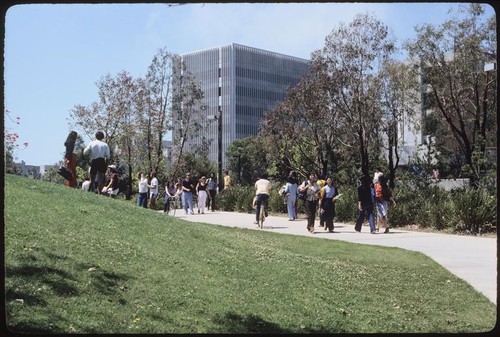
<point x="379" y="194"/>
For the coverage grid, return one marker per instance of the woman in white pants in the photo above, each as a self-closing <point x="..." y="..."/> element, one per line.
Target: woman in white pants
<point x="201" y="190"/>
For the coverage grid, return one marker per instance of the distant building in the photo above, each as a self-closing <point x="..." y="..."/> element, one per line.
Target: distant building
<point x="240" y="83"/>
<point x="31" y="171"/>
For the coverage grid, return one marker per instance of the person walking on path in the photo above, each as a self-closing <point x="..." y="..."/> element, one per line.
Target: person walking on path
<point x="187" y="194"/>
<point x="169" y="195"/>
<point x="291" y="196"/>
<point x="153" y="190"/>
<point x="227" y="179"/>
<point x="99" y="154"/>
<point x="383" y="196"/>
<point x="70" y="158"/>
<point x="311" y="189"/>
<point x="262" y="190"/>
<point x="212" y="191"/>
<point x="142" y="199"/>
<point x="201" y="191"/>
<point x="328" y="196"/>
<point x="366" y="203"/>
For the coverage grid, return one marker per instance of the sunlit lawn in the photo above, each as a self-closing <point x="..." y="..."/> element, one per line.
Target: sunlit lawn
<point x="81" y="263"/>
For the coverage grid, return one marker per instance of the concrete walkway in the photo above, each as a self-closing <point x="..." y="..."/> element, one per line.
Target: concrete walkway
<point x="471" y="258"/>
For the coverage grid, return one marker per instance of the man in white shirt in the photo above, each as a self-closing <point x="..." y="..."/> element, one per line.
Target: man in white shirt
<point x="262" y="187"/>
<point x="99" y="154"/>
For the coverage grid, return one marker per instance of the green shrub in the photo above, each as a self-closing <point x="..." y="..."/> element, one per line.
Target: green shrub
<point x="437" y="209"/>
<point x="346" y="207"/>
<point x="474" y="209"/>
<point x="408" y="207"/>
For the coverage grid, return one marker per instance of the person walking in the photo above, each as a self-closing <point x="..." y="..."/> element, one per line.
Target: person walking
<point x="99" y="154"/>
<point x="153" y="190"/>
<point x="142" y="199"/>
<point x="212" y="191"/>
<point x="70" y="158"/>
<point x="201" y="191"/>
<point x="311" y="190"/>
<point x="262" y="191"/>
<point x="328" y="196"/>
<point x="169" y="195"/>
<point x="227" y="179"/>
<point x="366" y="203"/>
<point x="383" y="196"/>
<point x="187" y="194"/>
<point x="291" y="190"/>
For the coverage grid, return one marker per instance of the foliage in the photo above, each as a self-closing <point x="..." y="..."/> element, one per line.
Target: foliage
<point x="246" y="160"/>
<point x="188" y="115"/>
<point x="11" y="143"/>
<point x="346" y="207"/>
<point x="458" y="89"/>
<point x="474" y="209"/>
<point x="196" y="165"/>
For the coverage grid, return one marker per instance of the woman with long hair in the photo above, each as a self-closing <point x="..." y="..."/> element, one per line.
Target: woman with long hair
<point x="70" y="158"/>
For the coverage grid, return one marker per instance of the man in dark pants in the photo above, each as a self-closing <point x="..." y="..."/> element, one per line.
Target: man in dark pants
<point x="212" y="191"/>
<point x="311" y="189"/>
<point x="99" y="154"/>
<point x="366" y="202"/>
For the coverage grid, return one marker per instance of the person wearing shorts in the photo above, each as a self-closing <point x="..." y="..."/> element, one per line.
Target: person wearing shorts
<point x="98" y="152"/>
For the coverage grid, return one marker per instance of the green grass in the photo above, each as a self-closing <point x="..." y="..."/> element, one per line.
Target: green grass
<point x="81" y="263"/>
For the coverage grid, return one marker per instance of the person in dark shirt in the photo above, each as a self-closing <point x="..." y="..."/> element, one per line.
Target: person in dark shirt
<point x="366" y="204"/>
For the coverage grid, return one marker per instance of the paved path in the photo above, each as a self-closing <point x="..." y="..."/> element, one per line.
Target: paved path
<point x="473" y="259"/>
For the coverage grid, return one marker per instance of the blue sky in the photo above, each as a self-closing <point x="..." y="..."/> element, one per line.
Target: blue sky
<point x="56" y="53"/>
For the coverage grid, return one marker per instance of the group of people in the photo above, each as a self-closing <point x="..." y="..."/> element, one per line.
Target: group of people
<point x="319" y="196"/>
<point x="183" y="190"/>
<point x="374" y="195"/>
<point x="99" y="155"/>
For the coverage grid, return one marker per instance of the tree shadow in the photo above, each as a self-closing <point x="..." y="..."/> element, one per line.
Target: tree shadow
<point x="237" y="324"/>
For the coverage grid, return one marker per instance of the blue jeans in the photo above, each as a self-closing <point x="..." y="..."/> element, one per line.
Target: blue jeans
<point x="261" y="198"/>
<point x="187" y="200"/>
<point x="142" y="200"/>
<point x="290" y="206"/>
<point x="366" y="211"/>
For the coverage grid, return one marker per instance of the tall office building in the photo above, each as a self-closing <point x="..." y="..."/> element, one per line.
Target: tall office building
<point x="240" y="83"/>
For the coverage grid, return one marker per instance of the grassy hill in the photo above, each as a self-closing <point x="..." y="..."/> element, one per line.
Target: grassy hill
<point x="76" y="262"/>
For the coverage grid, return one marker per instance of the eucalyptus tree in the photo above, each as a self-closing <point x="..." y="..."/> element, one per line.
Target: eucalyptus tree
<point x="106" y="114"/>
<point x="247" y="158"/>
<point x="188" y="115"/>
<point x="353" y="56"/>
<point x="400" y="98"/>
<point x="302" y="132"/>
<point x="452" y="57"/>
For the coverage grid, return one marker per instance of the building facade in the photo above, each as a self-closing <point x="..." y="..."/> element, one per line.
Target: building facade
<point x="240" y="84"/>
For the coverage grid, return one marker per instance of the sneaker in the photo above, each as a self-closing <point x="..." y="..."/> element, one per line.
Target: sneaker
<point x="255" y="222"/>
<point x="386" y="230"/>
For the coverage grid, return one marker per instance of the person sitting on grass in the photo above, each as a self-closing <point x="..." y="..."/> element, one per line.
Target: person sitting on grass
<point x="112" y="188"/>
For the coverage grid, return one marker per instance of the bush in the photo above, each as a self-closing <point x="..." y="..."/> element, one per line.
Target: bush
<point x="346" y="207"/>
<point x="474" y="209"/>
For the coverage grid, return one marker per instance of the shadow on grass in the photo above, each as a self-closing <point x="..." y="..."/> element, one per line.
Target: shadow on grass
<point x="235" y="323"/>
<point x="19" y="300"/>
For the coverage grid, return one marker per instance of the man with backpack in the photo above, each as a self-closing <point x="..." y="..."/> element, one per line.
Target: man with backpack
<point x="383" y="196"/>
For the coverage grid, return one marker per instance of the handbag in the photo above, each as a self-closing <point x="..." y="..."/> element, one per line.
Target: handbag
<point x="63" y="171"/>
